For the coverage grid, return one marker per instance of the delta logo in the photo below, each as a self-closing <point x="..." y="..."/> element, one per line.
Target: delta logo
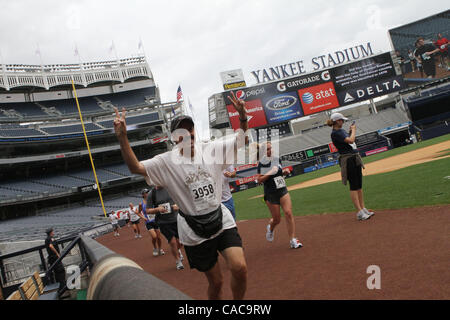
<point x="318" y="98"/>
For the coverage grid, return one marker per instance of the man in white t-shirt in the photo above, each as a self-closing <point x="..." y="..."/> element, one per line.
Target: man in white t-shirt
<point x="115" y="223"/>
<point x="227" y="198"/>
<point x="192" y="175"/>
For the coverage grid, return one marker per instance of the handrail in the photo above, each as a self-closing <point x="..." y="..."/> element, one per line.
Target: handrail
<point x="115" y="277"/>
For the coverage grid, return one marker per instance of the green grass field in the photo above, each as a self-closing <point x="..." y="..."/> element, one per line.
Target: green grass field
<point x="414" y="186"/>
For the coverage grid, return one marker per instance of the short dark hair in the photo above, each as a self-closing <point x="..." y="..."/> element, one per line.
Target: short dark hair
<point x="48" y="231"/>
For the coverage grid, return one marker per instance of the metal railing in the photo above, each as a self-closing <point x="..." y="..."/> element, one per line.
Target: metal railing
<point x="111" y="276"/>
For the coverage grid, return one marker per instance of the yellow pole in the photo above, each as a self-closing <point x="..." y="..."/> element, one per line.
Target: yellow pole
<point x="89" y="149"/>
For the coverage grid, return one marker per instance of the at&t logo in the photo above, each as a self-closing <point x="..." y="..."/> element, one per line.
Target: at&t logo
<point x="307" y="98"/>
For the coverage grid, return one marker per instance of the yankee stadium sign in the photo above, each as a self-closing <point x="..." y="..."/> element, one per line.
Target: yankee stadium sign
<point x="319" y="62"/>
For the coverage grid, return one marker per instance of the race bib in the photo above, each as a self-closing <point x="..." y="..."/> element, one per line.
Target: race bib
<point x="203" y="194"/>
<point x="279" y="182"/>
<point x="425" y="57"/>
<point x="167" y="207"/>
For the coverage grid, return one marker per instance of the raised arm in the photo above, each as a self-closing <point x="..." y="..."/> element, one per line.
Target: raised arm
<point x="352" y="137"/>
<point x="239" y="105"/>
<point x="128" y="155"/>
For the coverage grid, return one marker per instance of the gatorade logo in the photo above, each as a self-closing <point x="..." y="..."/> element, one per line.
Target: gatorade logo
<point x="281" y="86"/>
<point x="325" y="75"/>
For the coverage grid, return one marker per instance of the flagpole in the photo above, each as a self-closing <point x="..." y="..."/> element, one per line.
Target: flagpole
<point x="38" y="51"/>
<point x="194" y="118"/>
<point x="143" y="48"/>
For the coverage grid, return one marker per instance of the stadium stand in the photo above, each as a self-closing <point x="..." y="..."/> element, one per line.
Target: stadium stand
<point x="321" y="135"/>
<point x="26" y="109"/>
<point x="19" y="132"/>
<point x="129" y="98"/>
<point x="70" y="128"/>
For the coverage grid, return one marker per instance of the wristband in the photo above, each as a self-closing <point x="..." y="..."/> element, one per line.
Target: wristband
<point x="243" y="120"/>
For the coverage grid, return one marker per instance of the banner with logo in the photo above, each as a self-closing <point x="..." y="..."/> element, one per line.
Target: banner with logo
<point x="282" y="101"/>
<point x="255" y="115"/>
<point x="233" y="79"/>
<point x="366" y="79"/>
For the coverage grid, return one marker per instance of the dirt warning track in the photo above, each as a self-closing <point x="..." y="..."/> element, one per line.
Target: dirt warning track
<point x="410" y="246"/>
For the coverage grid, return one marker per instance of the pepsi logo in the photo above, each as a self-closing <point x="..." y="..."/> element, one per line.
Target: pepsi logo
<point x="282" y="102"/>
<point x="307" y="98"/>
<point x="240" y="94"/>
<point x="281" y="86"/>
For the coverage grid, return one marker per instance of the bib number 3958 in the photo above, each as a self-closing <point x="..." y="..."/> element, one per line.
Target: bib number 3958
<point x="203" y="191"/>
<point x="203" y="194"/>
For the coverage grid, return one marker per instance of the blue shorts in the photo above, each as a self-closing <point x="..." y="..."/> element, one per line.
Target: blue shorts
<point x="230" y="205"/>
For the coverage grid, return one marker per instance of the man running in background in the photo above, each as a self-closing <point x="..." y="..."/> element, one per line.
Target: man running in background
<point x="151" y="225"/>
<point x="194" y="181"/>
<point x="159" y="203"/>
<point x="424" y="54"/>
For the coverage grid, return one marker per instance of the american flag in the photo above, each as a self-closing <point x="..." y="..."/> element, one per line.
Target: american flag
<point x="179" y="94"/>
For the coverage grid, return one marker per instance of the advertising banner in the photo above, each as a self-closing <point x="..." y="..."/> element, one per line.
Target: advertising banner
<point x="295" y="156"/>
<point x="233" y="79"/>
<point x="255" y="115"/>
<point x="318" y="98"/>
<point x="318" y="151"/>
<point x="282" y="107"/>
<point x="287" y="99"/>
<point x="366" y="79"/>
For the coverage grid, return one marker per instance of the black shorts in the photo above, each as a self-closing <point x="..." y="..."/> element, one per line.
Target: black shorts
<point x="204" y="256"/>
<point x="136" y="222"/>
<point x="169" y="230"/>
<point x="115" y="226"/>
<point x="430" y="68"/>
<point x="127" y="221"/>
<point x="151" y="225"/>
<point x="274" y="197"/>
<point x="354" y="174"/>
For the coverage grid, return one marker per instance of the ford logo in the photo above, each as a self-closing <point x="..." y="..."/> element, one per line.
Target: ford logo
<point x="281" y="102"/>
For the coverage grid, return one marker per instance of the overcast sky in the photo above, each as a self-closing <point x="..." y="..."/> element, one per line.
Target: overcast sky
<point x="191" y="42"/>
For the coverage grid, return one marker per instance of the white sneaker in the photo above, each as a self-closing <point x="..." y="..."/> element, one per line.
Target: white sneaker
<point x="161" y="252"/>
<point x="362" y="215"/>
<point x="179" y="265"/>
<point x="155" y="252"/>
<point x="139" y="236"/>
<point x="295" y="243"/>
<point x="269" y="234"/>
<point x="136" y="236"/>
<point x="369" y="213"/>
<point x="181" y="255"/>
